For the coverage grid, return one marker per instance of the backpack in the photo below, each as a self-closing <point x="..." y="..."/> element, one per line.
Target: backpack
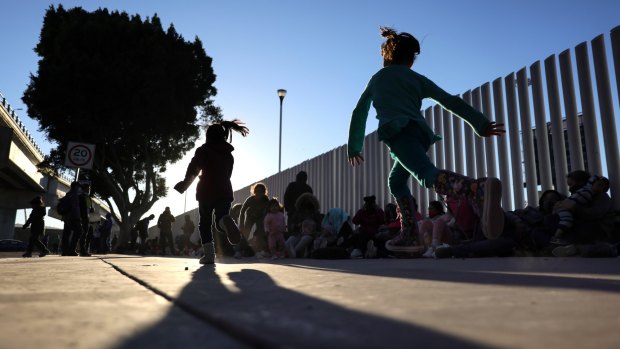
<point x="63" y="206"/>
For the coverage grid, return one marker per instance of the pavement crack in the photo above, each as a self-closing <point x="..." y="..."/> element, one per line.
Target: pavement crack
<point x="230" y="328"/>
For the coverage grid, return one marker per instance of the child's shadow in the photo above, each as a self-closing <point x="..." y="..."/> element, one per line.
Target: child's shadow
<point x="253" y="311"/>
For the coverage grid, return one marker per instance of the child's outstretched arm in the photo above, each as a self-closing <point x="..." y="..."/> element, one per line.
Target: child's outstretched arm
<point x="357" y="128"/>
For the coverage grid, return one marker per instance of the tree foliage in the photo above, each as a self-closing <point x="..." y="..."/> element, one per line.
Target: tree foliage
<point x="138" y="92"/>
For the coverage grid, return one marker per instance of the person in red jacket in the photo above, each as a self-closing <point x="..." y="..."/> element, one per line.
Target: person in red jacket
<point x="214" y="162"/>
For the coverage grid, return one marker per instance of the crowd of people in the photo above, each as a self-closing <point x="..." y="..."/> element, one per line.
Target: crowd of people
<point x="467" y="221"/>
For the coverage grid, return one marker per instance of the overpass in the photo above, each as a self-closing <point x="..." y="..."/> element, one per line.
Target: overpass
<point x="20" y="180"/>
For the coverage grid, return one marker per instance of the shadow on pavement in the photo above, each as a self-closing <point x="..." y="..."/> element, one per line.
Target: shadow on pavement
<point x="594" y="274"/>
<point x="249" y="306"/>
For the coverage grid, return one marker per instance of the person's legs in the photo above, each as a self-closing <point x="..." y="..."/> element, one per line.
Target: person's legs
<point x="485" y="195"/>
<point x="206" y="210"/>
<point x="410" y="159"/>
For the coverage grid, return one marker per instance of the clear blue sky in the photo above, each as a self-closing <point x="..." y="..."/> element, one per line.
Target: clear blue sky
<point x="323" y="52"/>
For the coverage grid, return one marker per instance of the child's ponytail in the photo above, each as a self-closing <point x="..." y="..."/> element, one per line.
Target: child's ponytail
<point x="398" y="48"/>
<point x="221" y="131"/>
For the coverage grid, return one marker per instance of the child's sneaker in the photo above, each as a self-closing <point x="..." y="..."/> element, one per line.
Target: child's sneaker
<point x="232" y="231"/>
<point x="430" y="252"/>
<point x="357" y="254"/>
<point x="371" y="250"/>
<point x="492" y="213"/>
<point x="565" y="251"/>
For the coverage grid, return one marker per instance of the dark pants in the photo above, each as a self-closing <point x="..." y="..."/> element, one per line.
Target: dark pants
<point x="165" y="239"/>
<point x="210" y="210"/>
<point x="71" y="233"/>
<point x="35" y="240"/>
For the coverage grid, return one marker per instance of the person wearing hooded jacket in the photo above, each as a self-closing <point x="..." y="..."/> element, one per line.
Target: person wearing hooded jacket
<point x="293" y="191"/>
<point x="214" y="162"/>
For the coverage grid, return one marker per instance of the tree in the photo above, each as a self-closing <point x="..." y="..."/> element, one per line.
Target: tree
<point x="137" y="92"/>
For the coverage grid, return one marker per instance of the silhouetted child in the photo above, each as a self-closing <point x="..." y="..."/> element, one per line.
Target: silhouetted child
<point x="37" y="228"/>
<point x="396" y="92"/>
<point x="214" y="162"/>
<point x="275" y="226"/>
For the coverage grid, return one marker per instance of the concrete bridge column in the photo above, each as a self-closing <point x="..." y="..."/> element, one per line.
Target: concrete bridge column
<point x="7" y="222"/>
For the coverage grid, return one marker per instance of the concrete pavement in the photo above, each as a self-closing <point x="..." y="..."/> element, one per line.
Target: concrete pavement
<point x="119" y="301"/>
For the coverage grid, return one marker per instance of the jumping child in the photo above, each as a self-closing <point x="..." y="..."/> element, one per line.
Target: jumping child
<point x="214" y="162"/>
<point x="396" y="93"/>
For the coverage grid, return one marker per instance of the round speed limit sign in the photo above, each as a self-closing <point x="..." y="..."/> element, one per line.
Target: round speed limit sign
<point x="80" y="155"/>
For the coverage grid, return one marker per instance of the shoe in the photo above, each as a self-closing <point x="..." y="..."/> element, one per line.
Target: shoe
<point x="492" y="213"/>
<point x="398" y="244"/>
<point x="371" y="250"/>
<point x="290" y="250"/>
<point x="232" y="231"/>
<point x="69" y="254"/>
<point x="357" y="254"/>
<point x="430" y="252"/>
<point x="238" y="255"/>
<point x="274" y="257"/>
<point x="85" y="254"/>
<point x="27" y="255"/>
<point x="261" y="254"/>
<point x="44" y="253"/>
<point x="565" y="251"/>
<point x="558" y="241"/>
<point x="209" y="254"/>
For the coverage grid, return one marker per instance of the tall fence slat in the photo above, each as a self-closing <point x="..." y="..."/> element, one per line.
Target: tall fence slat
<point x="502" y="146"/>
<point x="526" y="137"/>
<point x="542" y="142"/>
<point x="557" y="129"/>
<point x="588" y="115"/>
<point x="608" y="120"/>
<point x="570" y="107"/>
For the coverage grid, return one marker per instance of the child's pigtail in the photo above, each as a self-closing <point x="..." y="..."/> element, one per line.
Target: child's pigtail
<point x="237" y="126"/>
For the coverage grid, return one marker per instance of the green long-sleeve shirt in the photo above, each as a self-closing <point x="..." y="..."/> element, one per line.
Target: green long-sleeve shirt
<point x="396" y="93"/>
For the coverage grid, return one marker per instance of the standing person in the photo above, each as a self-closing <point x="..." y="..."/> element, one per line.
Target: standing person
<point x="396" y="93"/>
<point x="37" y="228"/>
<point x="293" y="191"/>
<point x="188" y="229"/>
<point x="73" y="216"/>
<point x="164" y="222"/>
<point x="105" y="229"/>
<point x="274" y="227"/>
<point x="214" y="162"/>
<point x="141" y="229"/>
<point x="251" y="218"/>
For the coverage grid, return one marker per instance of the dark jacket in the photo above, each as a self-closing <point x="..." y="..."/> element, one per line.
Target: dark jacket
<point x="293" y="191"/>
<point x="36" y="220"/>
<point x="214" y="162"/>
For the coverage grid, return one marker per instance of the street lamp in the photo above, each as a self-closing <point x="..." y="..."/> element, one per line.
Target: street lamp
<point x="281" y="94"/>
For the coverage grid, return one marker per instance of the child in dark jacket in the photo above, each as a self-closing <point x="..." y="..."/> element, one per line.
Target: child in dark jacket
<point x="214" y="162"/>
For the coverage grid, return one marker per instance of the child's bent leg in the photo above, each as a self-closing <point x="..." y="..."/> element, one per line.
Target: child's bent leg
<point x="485" y="194"/>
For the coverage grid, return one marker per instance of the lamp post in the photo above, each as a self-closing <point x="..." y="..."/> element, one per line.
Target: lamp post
<point x="281" y="94"/>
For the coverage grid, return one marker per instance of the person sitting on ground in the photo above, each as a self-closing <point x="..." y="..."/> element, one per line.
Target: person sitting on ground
<point x="368" y="218"/>
<point x="335" y="228"/>
<point x="293" y="191"/>
<point x="275" y="226"/>
<point x="434" y="229"/>
<point x="251" y="218"/>
<point x="582" y="197"/>
<point x="305" y="225"/>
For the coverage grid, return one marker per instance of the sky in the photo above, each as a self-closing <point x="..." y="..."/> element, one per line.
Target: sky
<point x="323" y="53"/>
